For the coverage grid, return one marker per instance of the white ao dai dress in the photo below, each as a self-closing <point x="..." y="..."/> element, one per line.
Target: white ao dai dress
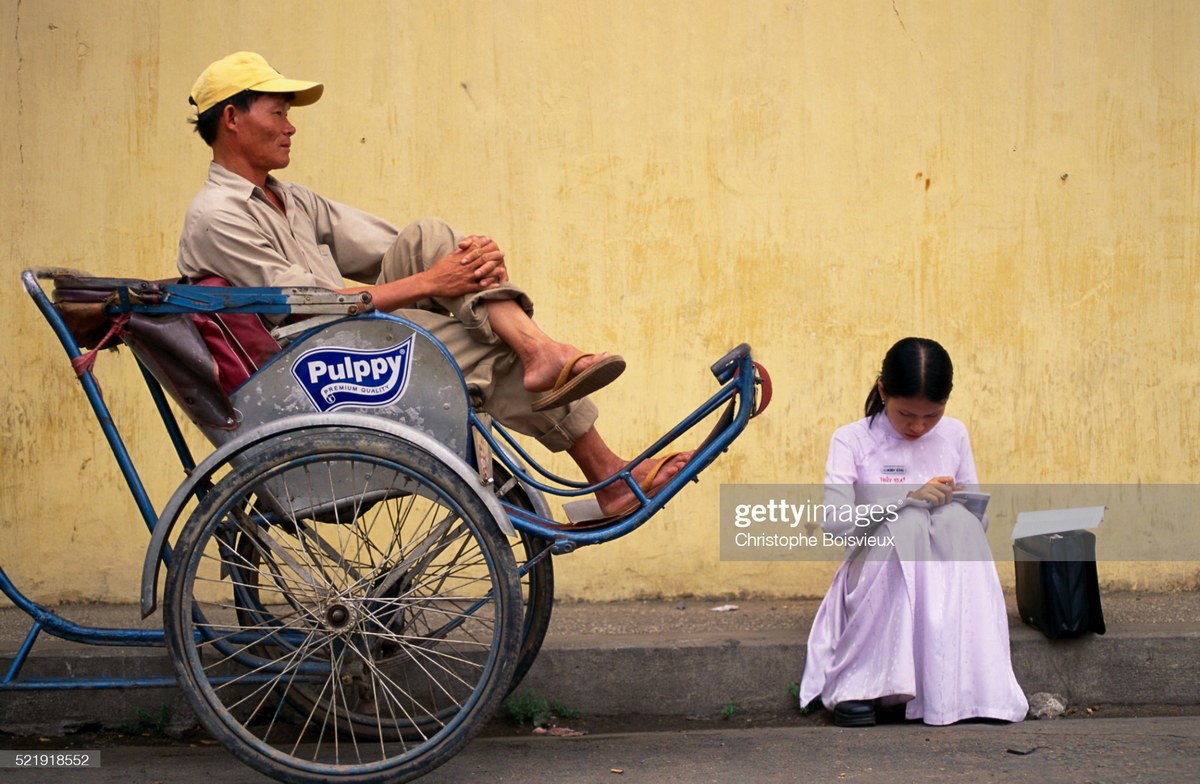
<point x="921" y="621"/>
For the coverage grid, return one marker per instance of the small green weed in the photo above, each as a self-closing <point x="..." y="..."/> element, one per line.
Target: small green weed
<point x="794" y="690"/>
<point x="729" y="709"/>
<point x="147" y="723"/>
<point x="530" y="708"/>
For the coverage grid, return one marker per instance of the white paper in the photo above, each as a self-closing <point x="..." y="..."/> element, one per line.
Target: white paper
<point x="1057" y="521"/>
<point x="976" y="503"/>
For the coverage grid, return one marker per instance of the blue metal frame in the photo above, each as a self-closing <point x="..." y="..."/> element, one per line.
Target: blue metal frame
<point x="736" y="372"/>
<point x="738" y="389"/>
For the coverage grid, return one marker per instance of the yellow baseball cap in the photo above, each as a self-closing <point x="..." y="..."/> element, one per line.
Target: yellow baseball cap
<point x="247" y="71"/>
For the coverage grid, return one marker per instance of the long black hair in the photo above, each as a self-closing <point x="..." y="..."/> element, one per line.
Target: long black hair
<point x="914" y="367"/>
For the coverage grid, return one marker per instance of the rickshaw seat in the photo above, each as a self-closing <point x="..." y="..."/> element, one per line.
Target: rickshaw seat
<point x="177" y="349"/>
<point x="210" y="362"/>
<point x="199" y="358"/>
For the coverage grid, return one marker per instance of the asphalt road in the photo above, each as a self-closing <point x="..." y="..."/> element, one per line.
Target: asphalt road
<point x="1092" y="751"/>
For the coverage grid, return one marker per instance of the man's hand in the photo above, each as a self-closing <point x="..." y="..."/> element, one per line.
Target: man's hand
<point x="480" y="247"/>
<point x="477" y="264"/>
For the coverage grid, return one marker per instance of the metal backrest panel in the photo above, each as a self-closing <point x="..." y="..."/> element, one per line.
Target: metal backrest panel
<point x="375" y="365"/>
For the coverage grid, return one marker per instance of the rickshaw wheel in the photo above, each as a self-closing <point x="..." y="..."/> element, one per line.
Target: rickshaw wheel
<point x="537" y="584"/>
<point x="537" y="596"/>
<point x="342" y="606"/>
<point x="537" y="588"/>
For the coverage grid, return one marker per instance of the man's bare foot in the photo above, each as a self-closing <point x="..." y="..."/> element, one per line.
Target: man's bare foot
<point x="543" y="366"/>
<point x="579" y="376"/>
<point x="651" y="475"/>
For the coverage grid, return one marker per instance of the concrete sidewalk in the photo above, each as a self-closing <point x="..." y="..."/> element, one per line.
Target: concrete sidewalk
<point x="1151" y="750"/>
<point x="678" y="658"/>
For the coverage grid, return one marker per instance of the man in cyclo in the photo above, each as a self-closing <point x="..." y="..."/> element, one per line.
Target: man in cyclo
<point x="250" y="229"/>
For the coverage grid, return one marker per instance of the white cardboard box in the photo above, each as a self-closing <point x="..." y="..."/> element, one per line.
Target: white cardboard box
<point x="1057" y="521"/>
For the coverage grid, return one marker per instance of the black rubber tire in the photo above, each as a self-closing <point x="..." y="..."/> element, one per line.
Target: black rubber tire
<point x="537" y="597"/>
<point x="537" y="584"/>
<point x="390" y="614"/>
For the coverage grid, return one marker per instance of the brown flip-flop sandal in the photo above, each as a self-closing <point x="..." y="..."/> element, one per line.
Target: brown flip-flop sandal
<point x="586" y="513"/>
<point x="569" y="388"/>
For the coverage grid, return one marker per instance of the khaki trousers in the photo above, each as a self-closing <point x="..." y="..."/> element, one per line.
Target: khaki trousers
<point x="461" y="323"/>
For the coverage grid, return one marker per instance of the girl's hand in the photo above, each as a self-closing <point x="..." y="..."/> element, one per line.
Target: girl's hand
<point x="937" y="491"/>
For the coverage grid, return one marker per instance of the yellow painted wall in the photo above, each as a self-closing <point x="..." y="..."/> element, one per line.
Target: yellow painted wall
<point x="1016" y="179"/>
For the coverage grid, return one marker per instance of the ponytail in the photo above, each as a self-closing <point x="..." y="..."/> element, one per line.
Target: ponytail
<point x="874" y="404"/>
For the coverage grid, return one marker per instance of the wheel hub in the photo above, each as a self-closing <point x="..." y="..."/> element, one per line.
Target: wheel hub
<point x="340" y="616"/>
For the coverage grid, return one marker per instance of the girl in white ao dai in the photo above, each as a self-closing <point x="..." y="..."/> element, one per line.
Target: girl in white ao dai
<point x="918" y="619"/>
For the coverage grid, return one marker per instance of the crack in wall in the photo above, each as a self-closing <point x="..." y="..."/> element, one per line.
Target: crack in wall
<point x="20" y="97"/>
<point x="904" y="27"/>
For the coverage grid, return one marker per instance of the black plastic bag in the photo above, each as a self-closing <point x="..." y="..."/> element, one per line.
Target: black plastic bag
<point x="1058" y="588"/>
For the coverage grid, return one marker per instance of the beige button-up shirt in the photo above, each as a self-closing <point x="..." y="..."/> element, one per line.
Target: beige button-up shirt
<point x="233" y="231"/>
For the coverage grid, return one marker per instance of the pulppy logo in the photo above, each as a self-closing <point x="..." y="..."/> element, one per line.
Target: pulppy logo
<point x="336" y="377"/>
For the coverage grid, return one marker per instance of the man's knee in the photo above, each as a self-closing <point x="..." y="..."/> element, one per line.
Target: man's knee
<point x="418" y="246"/>
<point x="435" y="238"/>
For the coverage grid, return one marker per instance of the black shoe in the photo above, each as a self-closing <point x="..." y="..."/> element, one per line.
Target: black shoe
<point x="854" y="713"/>
<point x="891" y="714"/>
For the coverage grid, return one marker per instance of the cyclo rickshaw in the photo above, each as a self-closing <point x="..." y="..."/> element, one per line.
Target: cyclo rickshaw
<point x="361" y="570"/>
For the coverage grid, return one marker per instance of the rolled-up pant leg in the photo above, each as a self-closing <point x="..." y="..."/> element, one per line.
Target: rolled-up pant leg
<point x="461" y="324"/>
